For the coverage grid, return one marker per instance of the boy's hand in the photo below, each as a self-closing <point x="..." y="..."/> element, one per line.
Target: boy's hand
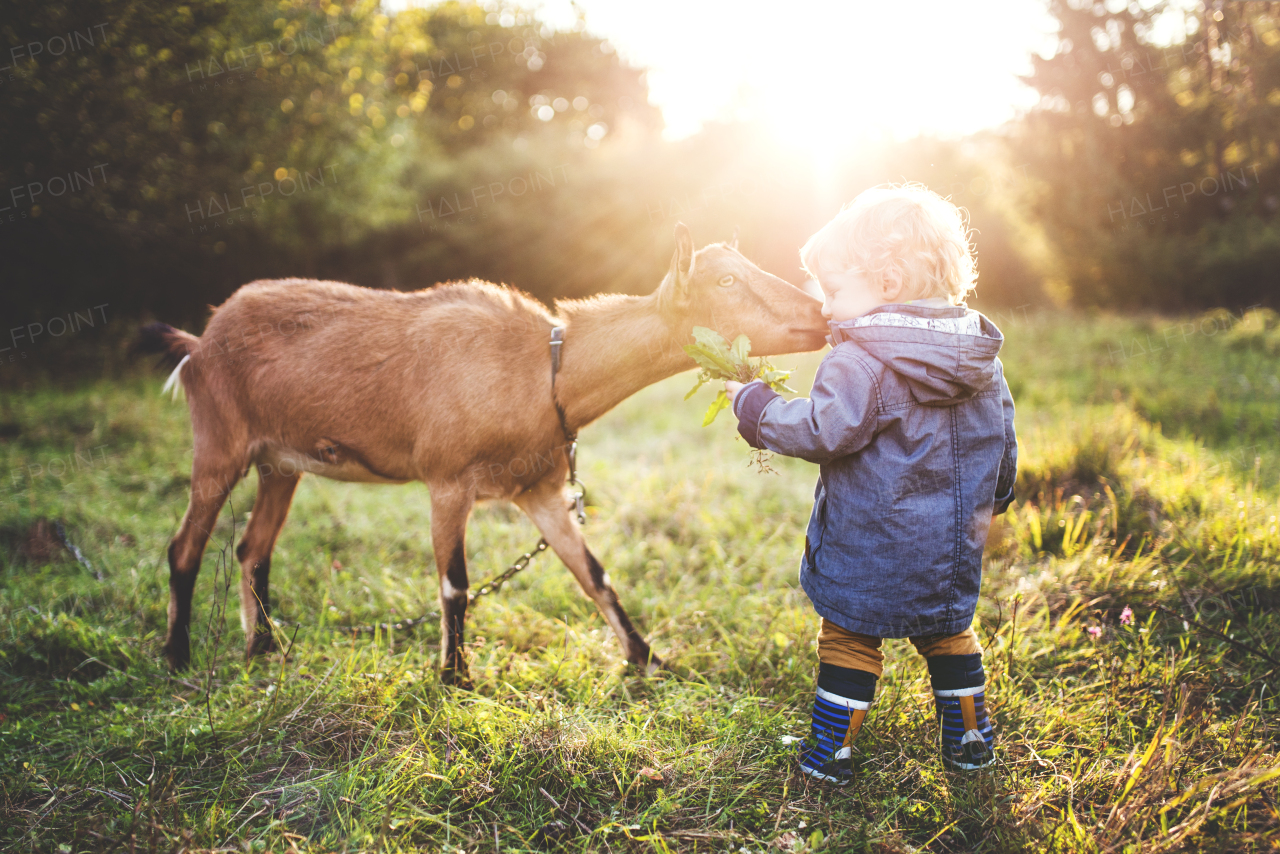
<point x="732" y="388"/>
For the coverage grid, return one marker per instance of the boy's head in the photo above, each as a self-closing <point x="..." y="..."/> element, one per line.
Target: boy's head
<point x="891" y="244"/>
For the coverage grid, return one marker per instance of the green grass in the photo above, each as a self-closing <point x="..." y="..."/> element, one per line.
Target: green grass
<point x="1148" y="480"/>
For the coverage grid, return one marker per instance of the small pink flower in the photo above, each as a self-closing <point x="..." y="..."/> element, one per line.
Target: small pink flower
<point x="1126" y="616"/>
<point x="1095" y="632"/>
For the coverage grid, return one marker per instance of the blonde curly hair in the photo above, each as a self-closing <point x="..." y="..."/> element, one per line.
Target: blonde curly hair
<point x="904" y="225"/>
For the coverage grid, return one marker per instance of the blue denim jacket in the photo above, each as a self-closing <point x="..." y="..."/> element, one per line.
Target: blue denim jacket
<point x="911" y="421"/>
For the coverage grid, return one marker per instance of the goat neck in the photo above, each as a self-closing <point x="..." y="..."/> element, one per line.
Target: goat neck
<point x="614" y="345"/>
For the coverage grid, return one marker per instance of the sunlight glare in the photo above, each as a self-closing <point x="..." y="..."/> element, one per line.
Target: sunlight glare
<point x="825" y="76"/>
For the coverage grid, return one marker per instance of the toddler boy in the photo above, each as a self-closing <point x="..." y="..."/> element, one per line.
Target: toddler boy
<point x="911" y="421"/>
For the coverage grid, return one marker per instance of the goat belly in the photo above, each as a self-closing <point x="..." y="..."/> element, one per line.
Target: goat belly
<point x="327" y="459"/>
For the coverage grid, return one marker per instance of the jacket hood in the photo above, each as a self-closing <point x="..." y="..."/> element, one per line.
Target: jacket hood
<point x="944" y="355"/>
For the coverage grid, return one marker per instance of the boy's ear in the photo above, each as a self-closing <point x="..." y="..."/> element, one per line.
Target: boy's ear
<point x="891" y="283"/>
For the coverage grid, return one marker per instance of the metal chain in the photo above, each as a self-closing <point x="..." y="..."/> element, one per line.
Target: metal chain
<point x="493" y="585"/>
<point x="578" y="503"/>
<point x="75" y="550"/>
<point x="579" y="497"/>
<point x="403" y="625"/>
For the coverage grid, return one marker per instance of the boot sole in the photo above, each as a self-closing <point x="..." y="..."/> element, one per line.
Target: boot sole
<point x="968" y="766"/>
<point x="819" y="775"/>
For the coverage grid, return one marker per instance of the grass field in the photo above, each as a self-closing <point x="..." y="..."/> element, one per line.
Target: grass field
<point x="1150" y="478"/>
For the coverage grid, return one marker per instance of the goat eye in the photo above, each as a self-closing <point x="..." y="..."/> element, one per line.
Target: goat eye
<point x="726" y="281"/>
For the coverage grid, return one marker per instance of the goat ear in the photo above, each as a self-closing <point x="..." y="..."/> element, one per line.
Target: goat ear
<point x="681" y="272"/>
<point x="733" y="244"/>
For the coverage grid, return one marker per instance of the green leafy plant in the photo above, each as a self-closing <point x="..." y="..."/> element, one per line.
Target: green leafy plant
<point x="719" y="361"/>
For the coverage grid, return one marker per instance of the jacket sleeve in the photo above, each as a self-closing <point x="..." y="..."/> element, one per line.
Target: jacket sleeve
<point x="836" y="420"/>
<point x="1009" y="462"/>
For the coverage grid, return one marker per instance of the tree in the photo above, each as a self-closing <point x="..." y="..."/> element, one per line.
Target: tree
<point x="1152" y="144"/>
<point x="213" y="142"/>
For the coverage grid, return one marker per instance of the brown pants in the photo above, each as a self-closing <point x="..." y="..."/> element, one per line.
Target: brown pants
<point x="844" y="648"/>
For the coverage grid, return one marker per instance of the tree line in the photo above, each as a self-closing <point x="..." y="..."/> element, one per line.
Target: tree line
<point x="157" y="156"/>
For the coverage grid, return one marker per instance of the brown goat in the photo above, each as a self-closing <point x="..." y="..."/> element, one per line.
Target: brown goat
<point x="451" y="386"/>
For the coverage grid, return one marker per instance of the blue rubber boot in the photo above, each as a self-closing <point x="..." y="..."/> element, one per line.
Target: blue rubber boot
<point x="843" y="697"/>
<point x="959" y="688"/>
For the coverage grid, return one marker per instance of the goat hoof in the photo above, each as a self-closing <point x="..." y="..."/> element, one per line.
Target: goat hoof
<point x="259" y="643"/>
<point x="459" y="679"/>
<point x="177" y="656"/>
<point x="649" y="664"/>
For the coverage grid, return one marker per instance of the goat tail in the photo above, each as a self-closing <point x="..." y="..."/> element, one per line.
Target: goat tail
<point x="173" y="345"/>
